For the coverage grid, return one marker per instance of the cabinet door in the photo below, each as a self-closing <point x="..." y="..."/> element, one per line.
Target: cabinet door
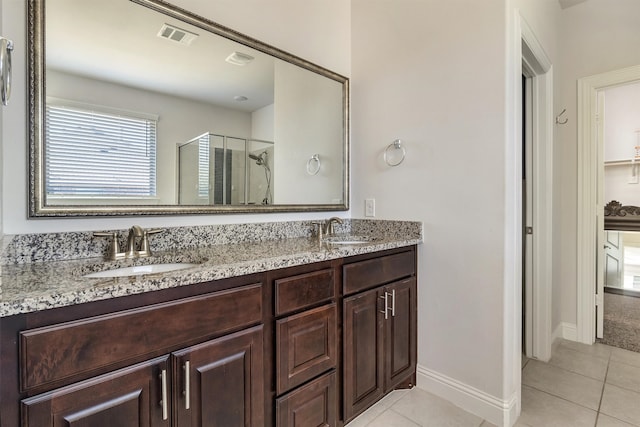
<point x="305" y="346"/>
<point x="400" y="333"/>
<point x="130" y="397"/>
<point x="312" y="405"/>
<point x="362" y="325"/>
<point x="221" y="382"/>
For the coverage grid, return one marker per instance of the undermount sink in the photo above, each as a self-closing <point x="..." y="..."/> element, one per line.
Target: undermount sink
<point x="139" y="270"/>
<point x="348" y="240"/>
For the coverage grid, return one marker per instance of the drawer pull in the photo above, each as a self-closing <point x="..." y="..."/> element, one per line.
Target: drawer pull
<point x="187" y="385"/>
<point x="393" y="303"/>
<point x="385" y="297"/>
<point x="165" y="408"/>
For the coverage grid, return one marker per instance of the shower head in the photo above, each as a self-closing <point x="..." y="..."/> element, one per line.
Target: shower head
<point x="260" y="160"/>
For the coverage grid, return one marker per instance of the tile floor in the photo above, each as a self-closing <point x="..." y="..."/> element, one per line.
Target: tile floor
<point x="582" y="385"/>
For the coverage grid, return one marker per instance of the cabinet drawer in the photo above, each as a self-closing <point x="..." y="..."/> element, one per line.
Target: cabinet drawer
<point x="378" y="271"/>
<point x="306" y="346"/>
<point x="314" y="404"/>
<point x="79" y="348"/>
<point x="305" y="290"/>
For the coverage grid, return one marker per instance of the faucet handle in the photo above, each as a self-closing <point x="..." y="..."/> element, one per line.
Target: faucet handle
<point x="145" y="251"/>
<point x="114" y="251"/>
<point x="319" y="229"/>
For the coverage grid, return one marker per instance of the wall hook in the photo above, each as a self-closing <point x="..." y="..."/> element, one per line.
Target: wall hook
<point x="558" y="122"/>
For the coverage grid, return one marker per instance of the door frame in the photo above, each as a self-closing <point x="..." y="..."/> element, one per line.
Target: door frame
<point x="590" y="205"/>
<point x="537" y="65"/>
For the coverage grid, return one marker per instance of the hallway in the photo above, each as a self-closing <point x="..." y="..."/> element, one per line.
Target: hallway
<point x="581" y="386"/>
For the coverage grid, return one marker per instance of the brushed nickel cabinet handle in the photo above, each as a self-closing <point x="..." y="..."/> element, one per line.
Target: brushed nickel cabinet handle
<point x="393" y="303"/>
<point x="187" y="385"/>
<point x="165" y="408"/>
<point x="386" y="305"/>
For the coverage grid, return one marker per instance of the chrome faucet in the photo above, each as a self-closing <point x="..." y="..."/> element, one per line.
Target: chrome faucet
<point x="134" y="250"/>
<point x="328" y="225"/>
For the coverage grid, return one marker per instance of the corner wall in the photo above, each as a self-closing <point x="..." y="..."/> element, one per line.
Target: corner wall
<point x="432" y="73"/>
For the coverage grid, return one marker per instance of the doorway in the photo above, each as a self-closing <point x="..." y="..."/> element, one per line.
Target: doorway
<point x="590" y="236"/>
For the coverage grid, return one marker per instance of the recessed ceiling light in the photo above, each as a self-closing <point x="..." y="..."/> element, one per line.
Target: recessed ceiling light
<point x="239" y="58"/>
<point x="240" y="98"/>
<point x="178" y="35"/>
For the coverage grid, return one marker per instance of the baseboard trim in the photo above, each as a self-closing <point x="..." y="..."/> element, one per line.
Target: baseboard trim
<point x="495" y="410"/>
<point x="568" y="331"/>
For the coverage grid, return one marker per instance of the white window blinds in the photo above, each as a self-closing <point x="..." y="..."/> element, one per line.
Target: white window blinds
<point x="92" y="153"/>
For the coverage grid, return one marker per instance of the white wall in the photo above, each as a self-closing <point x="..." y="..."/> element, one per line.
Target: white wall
<point x="305" y="100"/>
<point x="594" y="38"/>
<point x="315" y="30"/>
<point x="622" y="122"/>
<point x="621" y="136"/>
<point x="432" y="74"/>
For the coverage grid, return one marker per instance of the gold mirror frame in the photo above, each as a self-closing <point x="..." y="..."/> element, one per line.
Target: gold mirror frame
<point x="37" y="94"/>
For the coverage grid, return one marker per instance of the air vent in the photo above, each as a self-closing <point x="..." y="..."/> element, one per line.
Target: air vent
<point x="177" y="35"/>
<point x="239" y="58"/>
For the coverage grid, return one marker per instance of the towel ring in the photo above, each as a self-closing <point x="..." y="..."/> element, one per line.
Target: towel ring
<point x="395" y="153"/>
<point x="6" y="46"/>
<point x="313" y="165"/>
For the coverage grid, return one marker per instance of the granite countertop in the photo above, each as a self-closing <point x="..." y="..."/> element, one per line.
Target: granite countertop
<point x="30" y="287"/>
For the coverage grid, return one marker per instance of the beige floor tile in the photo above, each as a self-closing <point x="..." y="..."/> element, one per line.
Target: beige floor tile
<point x="625" y="376"/>
<point x="621" y="404"/>
<point x="392" y="398"/>
<point x="540" y="409"/>
<point x="368" y="416"/>
<point x="559" y="382"/>
<point x="486" y="423"/>
<point x="390" y="418"/>
<point x="597" y="349"/>
<point x="579" y="362"/>
<point x="428" y="410"/>
<point x="625" y="356"/>
<point x="607" y="421"/>
<point x="378" y="408"/>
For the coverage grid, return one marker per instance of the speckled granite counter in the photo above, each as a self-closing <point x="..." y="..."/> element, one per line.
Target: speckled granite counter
<point x="35" y="276"/>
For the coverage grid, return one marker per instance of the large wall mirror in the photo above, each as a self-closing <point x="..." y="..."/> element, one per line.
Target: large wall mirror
<point x="140" y="107"/>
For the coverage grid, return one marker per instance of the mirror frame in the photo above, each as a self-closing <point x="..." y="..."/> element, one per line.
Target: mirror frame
<point x="37" y="93"/>
<point x="621" y="218"/>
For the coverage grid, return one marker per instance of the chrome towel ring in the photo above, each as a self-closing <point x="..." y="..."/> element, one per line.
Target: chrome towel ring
<point x="6" y="46"/>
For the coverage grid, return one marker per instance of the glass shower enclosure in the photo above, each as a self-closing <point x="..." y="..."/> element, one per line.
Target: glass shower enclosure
<point x="225" y="170"/>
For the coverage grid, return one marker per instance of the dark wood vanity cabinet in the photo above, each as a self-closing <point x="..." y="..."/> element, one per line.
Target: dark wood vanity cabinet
<point x="295" y="347"/>
<point x="379" y="329"/>
<point x="129" y="397"/>
<point x="218" y="382"/>
<point x="306" y="348"/>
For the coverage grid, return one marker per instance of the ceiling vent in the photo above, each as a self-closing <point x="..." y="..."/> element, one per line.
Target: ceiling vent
<point x="239" y="58"/>
<point x="177" y="35"/>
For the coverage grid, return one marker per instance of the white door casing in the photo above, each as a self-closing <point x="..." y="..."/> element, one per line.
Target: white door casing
<point x="590" y="205"/>
<point x="537" y="63"/>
